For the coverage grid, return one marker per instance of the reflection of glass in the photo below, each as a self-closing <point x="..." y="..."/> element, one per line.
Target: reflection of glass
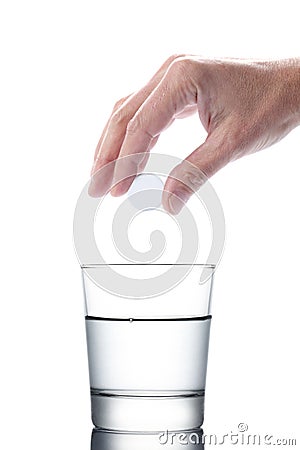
<point x="148" y="357"/>
<point x="108" y="440"/>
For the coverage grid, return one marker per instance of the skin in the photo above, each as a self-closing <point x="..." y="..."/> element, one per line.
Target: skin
<point x="244" y="105"/>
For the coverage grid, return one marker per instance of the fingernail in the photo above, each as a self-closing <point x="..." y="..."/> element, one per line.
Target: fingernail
<point x="176" y="201"/>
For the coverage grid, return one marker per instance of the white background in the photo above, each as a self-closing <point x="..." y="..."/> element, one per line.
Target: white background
<point x="63" y="66"/>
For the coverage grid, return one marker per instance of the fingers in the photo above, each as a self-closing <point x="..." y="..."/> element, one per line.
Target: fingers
<point x="170" y="98"/>
<point x="118" y="104"/>
<point x="110" y="143"/>
<point x="186" y="178"/>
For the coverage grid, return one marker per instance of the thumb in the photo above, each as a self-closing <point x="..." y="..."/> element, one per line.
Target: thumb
<point x="186" y="178"/>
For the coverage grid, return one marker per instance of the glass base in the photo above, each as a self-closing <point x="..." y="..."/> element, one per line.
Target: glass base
<point x="148" y="412"/>
<point x="178" y="440"/>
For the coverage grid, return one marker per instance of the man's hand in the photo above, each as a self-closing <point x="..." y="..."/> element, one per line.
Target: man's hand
<point x="244" y="105"/>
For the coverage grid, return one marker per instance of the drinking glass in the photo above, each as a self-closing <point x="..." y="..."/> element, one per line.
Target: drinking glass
<point x="148" y="356"/>
<point x="181" y="439"/>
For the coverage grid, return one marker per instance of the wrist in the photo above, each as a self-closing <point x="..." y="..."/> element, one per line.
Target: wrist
<point x="290" y="89"/>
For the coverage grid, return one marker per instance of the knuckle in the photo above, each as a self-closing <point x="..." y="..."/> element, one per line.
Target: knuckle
<point x="138" y="126"/>
<point x="182" y="66"/>
<point x="118" y="117"/>
<point x="103" y="160"/>
<point x="133" y="125"/>
<point x="193" y="179"/>
<point x="189" y="176"/>
<point x="177" y="67"/>
<point x="173" y="57"/>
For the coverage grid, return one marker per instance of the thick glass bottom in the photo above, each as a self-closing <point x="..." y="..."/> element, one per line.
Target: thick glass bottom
<point x="178" y="440"/>
<point x="155" y="411"/>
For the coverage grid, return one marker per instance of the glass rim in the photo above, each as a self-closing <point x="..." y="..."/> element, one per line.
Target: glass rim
<point x="101" y="265"/>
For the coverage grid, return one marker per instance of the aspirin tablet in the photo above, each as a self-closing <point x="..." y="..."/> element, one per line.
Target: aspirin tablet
<point x="146" y="191"/>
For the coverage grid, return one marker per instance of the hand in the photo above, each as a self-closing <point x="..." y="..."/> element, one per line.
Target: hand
<point x="244" y="105"/>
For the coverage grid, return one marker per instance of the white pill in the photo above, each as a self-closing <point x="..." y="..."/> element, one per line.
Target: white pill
<point x="146" y="191"/>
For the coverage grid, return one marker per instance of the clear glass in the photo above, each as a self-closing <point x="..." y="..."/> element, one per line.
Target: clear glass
<point x="179" y="440"/>
<point x="148" y="357"/>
